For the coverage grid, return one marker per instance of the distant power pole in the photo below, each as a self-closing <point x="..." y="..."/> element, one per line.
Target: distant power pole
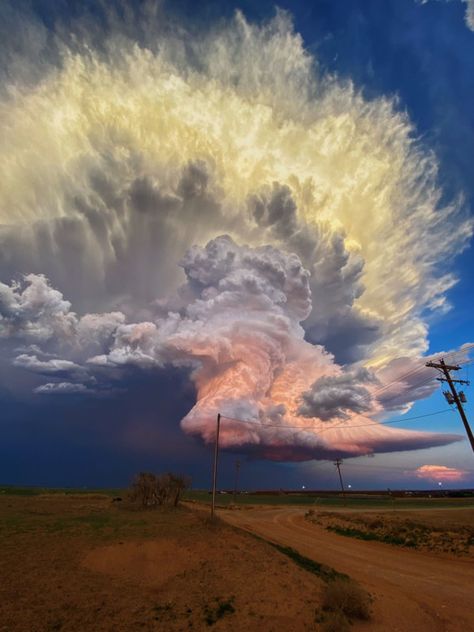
<point x="338" y="463"/>
<point x="236" y="482"/>
<point x="214" y="474"/>
<point x="453" y="396"/>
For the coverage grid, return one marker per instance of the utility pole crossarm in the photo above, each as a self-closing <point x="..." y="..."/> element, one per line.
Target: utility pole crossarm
<point x="443" y="379"/>
<point x="441" y="365"/>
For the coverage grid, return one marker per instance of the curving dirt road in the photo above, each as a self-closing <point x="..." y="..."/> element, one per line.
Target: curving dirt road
<point x="413" y="591"/>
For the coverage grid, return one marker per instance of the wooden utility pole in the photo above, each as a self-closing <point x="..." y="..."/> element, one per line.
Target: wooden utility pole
<point x="453" y="397"/>
<point x="236" y="482"/>
<point x="338" y="463"/>
<point x="214" y="475"/>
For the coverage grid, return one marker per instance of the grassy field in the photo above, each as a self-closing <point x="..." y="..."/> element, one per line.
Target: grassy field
<point x="74" y="560"/>
<point x="336" y="501"/>
<point x="15" y="490"/>
<point x="349" y="503"/>
<point x="79" y="562"/>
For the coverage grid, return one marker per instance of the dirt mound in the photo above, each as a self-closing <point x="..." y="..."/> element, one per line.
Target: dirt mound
<point x="75" y="564"/>
<point x="148" y="562"/>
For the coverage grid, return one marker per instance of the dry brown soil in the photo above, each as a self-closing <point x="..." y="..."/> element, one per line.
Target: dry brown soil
<point x="78" y="563"/>
<point x="414" y="591"/>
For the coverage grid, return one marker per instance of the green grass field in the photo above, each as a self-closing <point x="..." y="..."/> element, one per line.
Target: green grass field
<point x="310" y="500"/>
<point x="14" y="490"/>
<point x="307" y="499"/>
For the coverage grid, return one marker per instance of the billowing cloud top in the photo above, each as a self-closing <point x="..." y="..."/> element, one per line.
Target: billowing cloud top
<point x="441" y="473"/>
<point x="137" y="161"/>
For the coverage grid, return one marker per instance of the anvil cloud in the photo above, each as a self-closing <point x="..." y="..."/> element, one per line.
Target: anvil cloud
<point x="213" y="201"/>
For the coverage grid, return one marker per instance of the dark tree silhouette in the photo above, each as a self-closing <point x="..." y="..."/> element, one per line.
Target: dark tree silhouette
<point x="165" y="489"/>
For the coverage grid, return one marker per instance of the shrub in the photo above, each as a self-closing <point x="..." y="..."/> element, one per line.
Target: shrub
<point x="151" y="490"/>
<point x="223" y="607"/>
<point x="348" y="598"/>
<point x="335" y="622"/>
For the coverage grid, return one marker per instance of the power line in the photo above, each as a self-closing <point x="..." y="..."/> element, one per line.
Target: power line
<point x="385" y="467"/>
<point x="403" y="376"/>
<point x="412" y="388"/>
<point x="393" y="421"/>
<point x="374" y="394"/>
<point x="255" y="422"/>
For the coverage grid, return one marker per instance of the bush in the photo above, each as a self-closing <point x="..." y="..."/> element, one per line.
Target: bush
<point x="151" y="490"/>
<point x="223" y="607"/>
<point x="335" y="622"/>
<point x="347" y="598"/>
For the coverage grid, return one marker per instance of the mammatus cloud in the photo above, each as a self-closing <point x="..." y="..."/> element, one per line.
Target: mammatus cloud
<point x="145" y="135"/>
<point x="441" y="473"/>
<point x="140" y="143"/>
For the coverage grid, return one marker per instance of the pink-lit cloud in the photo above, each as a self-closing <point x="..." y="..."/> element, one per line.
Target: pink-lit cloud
<point x="238" y="330"/>
<point x="441" y="473"/>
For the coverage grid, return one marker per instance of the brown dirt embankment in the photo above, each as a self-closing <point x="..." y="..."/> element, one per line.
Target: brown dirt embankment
<point x="81" y="563"/>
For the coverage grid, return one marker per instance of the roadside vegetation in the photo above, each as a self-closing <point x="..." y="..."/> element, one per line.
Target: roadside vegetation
<point x="446" y="533"/>
<point x="343" y="600"/>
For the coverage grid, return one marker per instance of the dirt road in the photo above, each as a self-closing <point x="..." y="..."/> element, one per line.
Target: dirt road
<point x="413" y="591"/>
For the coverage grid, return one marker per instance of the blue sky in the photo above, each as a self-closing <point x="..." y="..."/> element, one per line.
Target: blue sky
<point x="419" y="53"/>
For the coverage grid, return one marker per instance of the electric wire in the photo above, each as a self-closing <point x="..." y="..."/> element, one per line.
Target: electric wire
<point x="374" y="423"/>
<point x="414" y="386"/>
<point x="422" y="365"/>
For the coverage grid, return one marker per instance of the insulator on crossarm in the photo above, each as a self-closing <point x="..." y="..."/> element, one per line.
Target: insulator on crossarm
<point x="449" y="397"/>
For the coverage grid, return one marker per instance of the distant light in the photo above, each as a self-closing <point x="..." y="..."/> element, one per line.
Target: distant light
<point x="303" y="486"/>
<point x="440" y="483"/>
<point x="349" y="486"/>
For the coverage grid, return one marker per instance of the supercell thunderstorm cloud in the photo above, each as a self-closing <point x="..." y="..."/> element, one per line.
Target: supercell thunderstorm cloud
<point x="214" y="201"/>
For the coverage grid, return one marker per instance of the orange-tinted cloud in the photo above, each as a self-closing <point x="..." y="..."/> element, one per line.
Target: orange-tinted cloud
<point x="440" y="473"/>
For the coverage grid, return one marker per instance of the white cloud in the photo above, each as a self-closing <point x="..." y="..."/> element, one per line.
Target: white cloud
<point x="469" y="14"/>
<point x="53" y="366"/>
<point x="61" y="388"/>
